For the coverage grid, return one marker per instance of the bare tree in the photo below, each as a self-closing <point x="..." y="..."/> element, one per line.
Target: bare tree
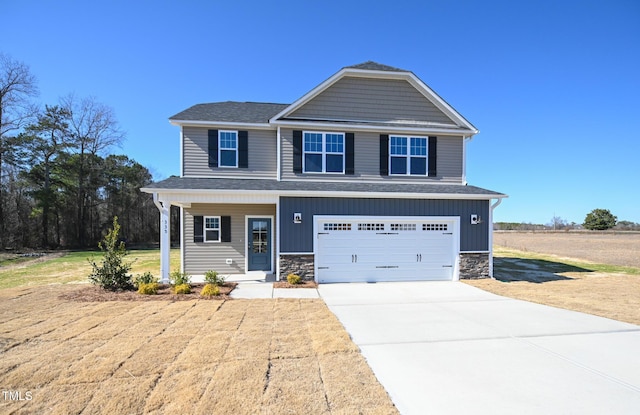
<point x="17" y="86"/>
<point x="93" y="128"/>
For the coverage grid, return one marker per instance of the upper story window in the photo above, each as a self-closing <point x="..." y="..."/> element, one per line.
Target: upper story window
<point x="228" y="148"/>
<point x="408" y="155"/>
<point x="323" y="152"/>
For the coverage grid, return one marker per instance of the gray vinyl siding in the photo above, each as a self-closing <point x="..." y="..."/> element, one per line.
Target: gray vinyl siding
<point x="367" y="159"/>
<point x="353" y="98"/>
<point x="299" y="237"/>
<point x="202" y="256"/>
<point x="262" y="155"/>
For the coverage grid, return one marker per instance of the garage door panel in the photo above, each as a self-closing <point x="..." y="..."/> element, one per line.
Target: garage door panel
<point x="385" y="249"/>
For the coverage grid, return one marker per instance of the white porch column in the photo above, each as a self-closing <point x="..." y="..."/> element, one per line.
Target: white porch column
<point x="165" y="238"/>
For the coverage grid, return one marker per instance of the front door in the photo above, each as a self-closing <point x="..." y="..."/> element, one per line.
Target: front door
<point x="259" y="247"/>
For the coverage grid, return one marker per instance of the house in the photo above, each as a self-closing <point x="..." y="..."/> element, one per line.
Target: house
<point x="361" y="179"/>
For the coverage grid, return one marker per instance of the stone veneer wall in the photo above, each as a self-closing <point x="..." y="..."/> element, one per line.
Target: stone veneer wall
<point x="301" y="265"/>
<point x="474" y="265"/>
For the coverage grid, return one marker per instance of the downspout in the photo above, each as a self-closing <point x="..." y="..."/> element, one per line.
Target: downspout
<point x="278" y="156"/>
<point x="495" y="205"/>
<point x="465" y="140"/>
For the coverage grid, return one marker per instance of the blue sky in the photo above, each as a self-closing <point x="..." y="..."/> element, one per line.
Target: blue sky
<point x="553" y="86"/>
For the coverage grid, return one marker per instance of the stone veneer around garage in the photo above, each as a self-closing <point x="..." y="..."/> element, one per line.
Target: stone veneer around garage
<point x="474" y="265"/>
<point x="301" y="265"/>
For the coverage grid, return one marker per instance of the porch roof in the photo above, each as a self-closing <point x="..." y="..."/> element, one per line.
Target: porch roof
<point x="319" y="188"/>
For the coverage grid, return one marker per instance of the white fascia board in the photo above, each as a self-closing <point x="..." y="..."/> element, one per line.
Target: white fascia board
<point x="423" y="88"/>
<point x="386" y="128"/>
<point x="442" y="105"/>
<point x="183" y="194"/>
<point x="308" y="96"/>
<point x="221" y="124"/>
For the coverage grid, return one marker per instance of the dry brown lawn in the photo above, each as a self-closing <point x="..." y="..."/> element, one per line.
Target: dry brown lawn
<point x="273" y="356"/>
<point x="570" y="270"/>
<point x="621" y="248"/>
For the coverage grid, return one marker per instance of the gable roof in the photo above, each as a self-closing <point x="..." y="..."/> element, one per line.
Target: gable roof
<point x="375" y="66"/>
<point x="230" y="111"/>
<point x="370" y="69"/>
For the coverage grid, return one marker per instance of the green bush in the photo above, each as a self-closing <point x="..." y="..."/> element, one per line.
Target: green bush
<point x="182" y="289"/>
<point x="146" y="278"/>
<point x="293" y="279"/>
<point x="210" y="290"/>
<point x="180" y="278"/>
<point x="212" y="277"/>
<point x="113" y="273"/>
<point x="150" y="288"/>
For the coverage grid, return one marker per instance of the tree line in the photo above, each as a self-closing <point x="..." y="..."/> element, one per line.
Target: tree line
<point x="596" y="220"/>
<point x="59" y="184"/>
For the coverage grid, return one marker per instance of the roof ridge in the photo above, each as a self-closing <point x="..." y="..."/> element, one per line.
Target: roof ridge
<point x="375" y="66"/>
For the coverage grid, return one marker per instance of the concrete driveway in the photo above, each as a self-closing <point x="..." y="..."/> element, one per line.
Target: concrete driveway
<point x="449" y="348"/>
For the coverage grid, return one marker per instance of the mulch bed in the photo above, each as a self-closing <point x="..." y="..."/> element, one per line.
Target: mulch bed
<point x="165" y="293"/>
<point x="303" y="284"/>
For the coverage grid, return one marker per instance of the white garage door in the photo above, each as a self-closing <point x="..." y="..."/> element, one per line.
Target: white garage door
<point x="373" y="248"/>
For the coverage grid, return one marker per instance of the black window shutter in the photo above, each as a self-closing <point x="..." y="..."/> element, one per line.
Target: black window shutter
<point x="198" y="229"/>
<point x="225" y="229"/>
<point x="349" y="161"/>
<point x="384" y="154"/>
<point x="297" y="151"/>
<point x="243" y="149"/>
<point x="213" y="148"/>
<point x="433" y="156"/>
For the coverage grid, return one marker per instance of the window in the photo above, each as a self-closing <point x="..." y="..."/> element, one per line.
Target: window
<point x="408" y="155"/>
<point x="337" y="226"/>
<point x="403" y="226"/>
<point x="228" y="148"/>
<point x="435" y="227"/>
<point x="323" y="152"/>
<point x="212" y="228"/>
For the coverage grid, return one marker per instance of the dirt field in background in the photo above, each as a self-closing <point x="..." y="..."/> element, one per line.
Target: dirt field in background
<point x="186" y="357"/>
<point x="605" y="248"/>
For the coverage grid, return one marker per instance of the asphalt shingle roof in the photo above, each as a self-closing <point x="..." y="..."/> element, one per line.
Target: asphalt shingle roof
<point x="192" y="183"/>
<point x="375" y="66"/>
<point x="231" y="111"/>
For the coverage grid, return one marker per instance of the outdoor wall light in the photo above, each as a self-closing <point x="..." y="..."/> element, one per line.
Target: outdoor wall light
<point x="297" y="217"/>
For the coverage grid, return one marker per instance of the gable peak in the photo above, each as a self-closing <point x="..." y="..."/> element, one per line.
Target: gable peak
<point x="375" y="66"/>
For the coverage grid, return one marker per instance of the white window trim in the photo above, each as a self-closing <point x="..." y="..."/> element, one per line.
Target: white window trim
<point x="408" y="156"/>
<point x="204" y="229"/>
<point x="324" y="153"/>
<point x="220" y="149"/>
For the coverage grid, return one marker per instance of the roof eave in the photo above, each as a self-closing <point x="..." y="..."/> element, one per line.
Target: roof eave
<point x="384" y="195"/>
<point x="200" y="123"/>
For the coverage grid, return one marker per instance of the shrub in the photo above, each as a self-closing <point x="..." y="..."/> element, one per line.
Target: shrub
<point x="293" y="279"/>
<point x="182" y="289"/>
<point x="148" y="288"/>
<point x="180" y="278"/>
<point x="212" y="277"/>
<point x="146" y="278"/>
<point x="210" y="290"/>
<point x="112" y="273"/>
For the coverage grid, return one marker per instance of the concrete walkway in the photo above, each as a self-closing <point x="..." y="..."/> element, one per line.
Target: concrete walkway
<point x="449" y="348"/>
<point x="264" y="289"/>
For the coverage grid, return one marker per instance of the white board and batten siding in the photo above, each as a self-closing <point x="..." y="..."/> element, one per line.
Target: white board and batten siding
<point x="374" y="249"/>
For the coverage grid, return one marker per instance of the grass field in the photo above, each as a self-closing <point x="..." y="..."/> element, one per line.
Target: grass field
<point x="588" y="272"/>
<point x="72" y="267"/>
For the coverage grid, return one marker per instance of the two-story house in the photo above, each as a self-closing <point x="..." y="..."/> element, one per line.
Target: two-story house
<point x="361" y="179"/>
